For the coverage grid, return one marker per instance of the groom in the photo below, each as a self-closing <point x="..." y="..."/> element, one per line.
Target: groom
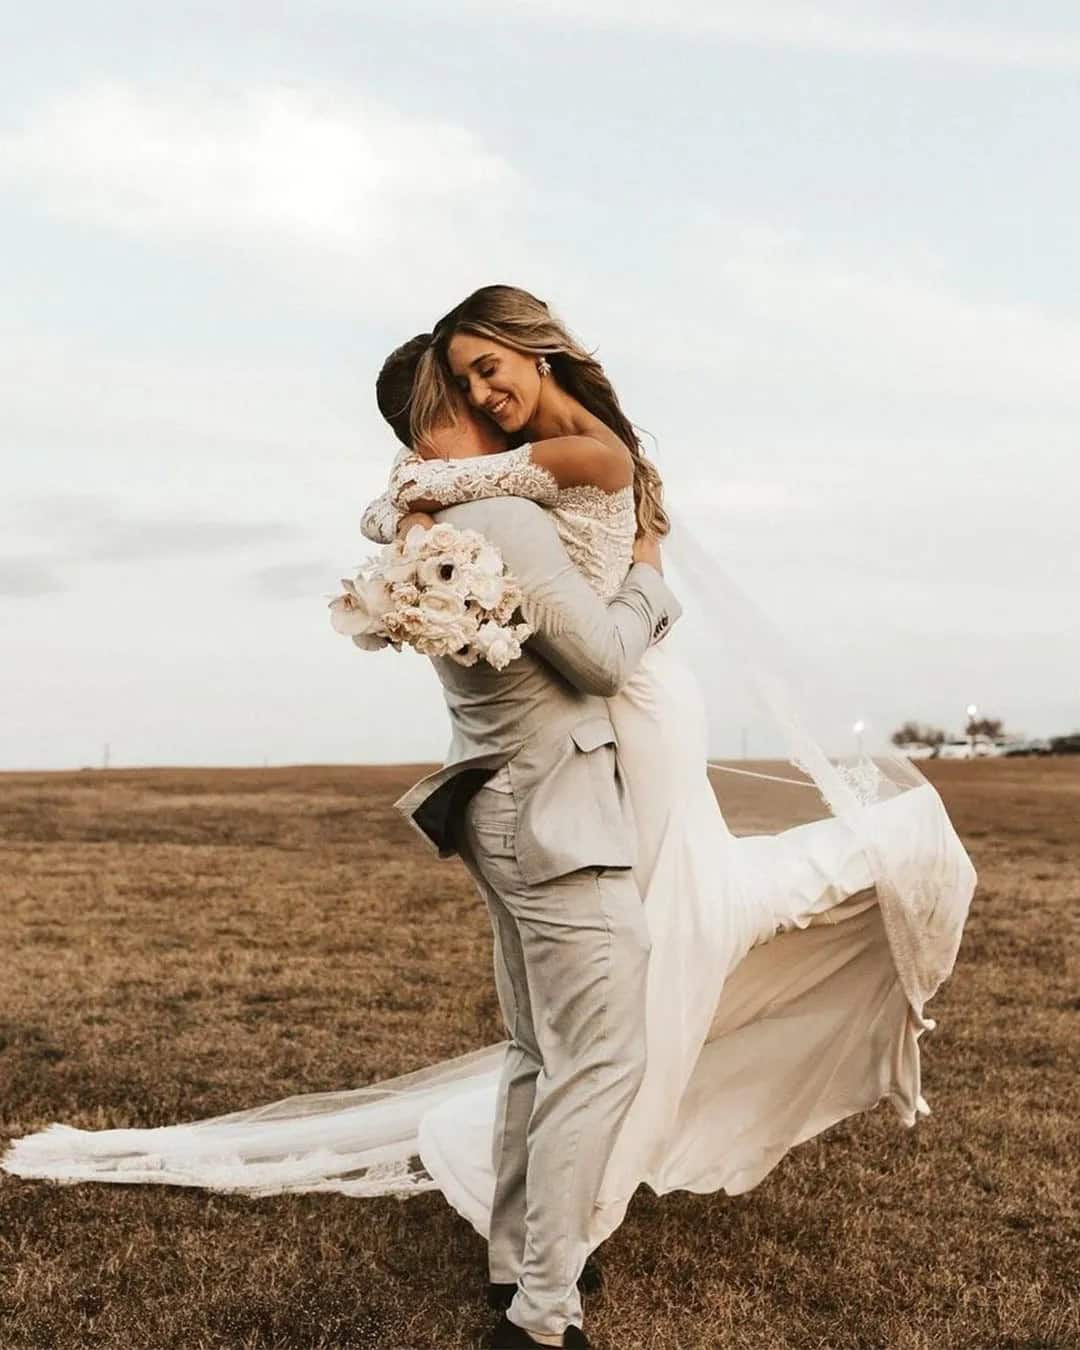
<point x="532" y="801"/>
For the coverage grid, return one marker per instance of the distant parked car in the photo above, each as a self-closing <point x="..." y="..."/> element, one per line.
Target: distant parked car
<point x="1031" y="747"/>
<point x="917" y="750"/>
<point x="981" y="747"/>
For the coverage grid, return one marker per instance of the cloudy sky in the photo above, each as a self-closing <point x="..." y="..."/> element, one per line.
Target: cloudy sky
<point x="827" y="251"/>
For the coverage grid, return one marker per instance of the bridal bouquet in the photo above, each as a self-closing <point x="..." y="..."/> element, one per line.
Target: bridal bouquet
<point x="443" y="591"/>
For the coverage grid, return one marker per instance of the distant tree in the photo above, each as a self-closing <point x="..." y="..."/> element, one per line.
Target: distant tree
<point x="993" y="727"/>
<point x="918" y="733"/>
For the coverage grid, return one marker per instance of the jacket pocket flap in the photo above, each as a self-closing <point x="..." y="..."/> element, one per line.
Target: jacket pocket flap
<point x="592" y="733"/>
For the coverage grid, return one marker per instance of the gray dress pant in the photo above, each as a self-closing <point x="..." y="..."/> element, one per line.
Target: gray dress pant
<point x="571" y="957"/>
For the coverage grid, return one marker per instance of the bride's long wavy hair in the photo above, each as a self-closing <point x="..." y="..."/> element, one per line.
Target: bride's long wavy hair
<point x="519" y="320"/>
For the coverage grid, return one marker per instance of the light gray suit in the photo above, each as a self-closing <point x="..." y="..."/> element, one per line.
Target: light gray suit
<point x="552" y="859"/>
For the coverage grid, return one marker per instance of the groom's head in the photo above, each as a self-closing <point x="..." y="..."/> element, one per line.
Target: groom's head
<point x="459" y="433"/>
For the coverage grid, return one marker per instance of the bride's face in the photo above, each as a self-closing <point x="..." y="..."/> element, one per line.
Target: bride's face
<point x="500" y="382"/>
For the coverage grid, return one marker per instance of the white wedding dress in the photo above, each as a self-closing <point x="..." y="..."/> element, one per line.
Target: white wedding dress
<point x="787" y="976"/>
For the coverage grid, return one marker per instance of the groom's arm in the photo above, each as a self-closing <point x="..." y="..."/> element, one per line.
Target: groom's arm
<point x="597" y="646"/>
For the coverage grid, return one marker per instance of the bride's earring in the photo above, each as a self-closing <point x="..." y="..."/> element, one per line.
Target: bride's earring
<point x="543" y="366"/>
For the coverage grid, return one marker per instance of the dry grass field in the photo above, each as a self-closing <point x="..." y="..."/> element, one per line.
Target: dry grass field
<point x="180" y="943"/>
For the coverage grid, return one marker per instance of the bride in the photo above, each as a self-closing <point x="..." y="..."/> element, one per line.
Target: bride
<point x="749" y="1051"/>
<point x="788" y="971"/>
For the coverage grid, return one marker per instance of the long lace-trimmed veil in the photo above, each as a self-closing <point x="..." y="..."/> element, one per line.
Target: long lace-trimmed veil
<point x="364" y="1141"/>
<point x="830" y="763"/>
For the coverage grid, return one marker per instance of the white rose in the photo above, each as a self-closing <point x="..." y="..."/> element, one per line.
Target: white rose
<point x="501" y="652"/>
<point x="497" y="645"/>
<point x="484" y="588"/>
<point x="440" y="538"/>
<point x="441" y="605"/>
<point x="460" y="583"/>
<point x="474" y="541"/>
<point x="405" y="594"/>
<point x="508" y="601"/>
<point x="446" y="641"/>
<point x="395" y="567"/>
<point x="465" y="548"/>
<point x="489" y="560"/>
<point x="405" y="624"/>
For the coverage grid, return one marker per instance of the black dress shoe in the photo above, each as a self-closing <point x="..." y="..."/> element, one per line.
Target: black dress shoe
<point x="590" y="1281"/>
<point x="509" y="1336"/>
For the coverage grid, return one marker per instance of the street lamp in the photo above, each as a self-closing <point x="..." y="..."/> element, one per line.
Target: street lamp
<point x="858" y="729"/>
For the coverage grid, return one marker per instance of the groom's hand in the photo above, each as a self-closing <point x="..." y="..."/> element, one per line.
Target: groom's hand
<point x="647" y="550"/>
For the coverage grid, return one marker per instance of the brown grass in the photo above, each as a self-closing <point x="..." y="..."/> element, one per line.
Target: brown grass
<point x="180" y="943"/>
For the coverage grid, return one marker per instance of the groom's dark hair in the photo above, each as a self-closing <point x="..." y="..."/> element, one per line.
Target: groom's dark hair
<point x="394" y="386"/>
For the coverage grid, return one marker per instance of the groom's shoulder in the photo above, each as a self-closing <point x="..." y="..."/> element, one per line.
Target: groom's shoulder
<point x="496" y="513"/>
<point x="522" y="531"/>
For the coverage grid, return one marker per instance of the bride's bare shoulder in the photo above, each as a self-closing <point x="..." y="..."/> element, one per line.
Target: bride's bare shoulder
<point x="577" y="461"/>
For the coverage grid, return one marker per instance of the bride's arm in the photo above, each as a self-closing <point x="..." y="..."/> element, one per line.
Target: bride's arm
<point x="381" y="521"/>
<point x="537" y="471"/>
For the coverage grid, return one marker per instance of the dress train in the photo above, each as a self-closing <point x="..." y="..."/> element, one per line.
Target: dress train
<point x="782" y="997"/>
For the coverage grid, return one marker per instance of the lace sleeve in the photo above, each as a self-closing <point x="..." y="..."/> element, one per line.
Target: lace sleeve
<point x="380" y="520"/>
<point x="511" y="473"/>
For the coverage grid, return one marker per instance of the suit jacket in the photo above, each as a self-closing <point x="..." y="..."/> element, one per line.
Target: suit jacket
<point x="544" y="715"/>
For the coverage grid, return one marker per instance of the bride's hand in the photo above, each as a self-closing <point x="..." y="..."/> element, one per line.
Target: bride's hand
<point x="406" y="523"/>
<point x="647" y="550"/>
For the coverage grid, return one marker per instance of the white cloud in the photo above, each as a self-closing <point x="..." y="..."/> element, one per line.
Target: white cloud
<point x="348" y="198"/>
<point x="166" y="408"/>
<point x="309" y="165"/>
<point x="292" y="580"/>
<point x="754" y="322"/>
<point x="862" y="426"/>
<point x="856" y="28"/>
<point x="909" y="332"/>
<point x="27" y="578"/>
<point x="85" y="526"/>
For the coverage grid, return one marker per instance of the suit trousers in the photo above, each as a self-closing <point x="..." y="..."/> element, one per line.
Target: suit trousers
<point x="571" y="956"/>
